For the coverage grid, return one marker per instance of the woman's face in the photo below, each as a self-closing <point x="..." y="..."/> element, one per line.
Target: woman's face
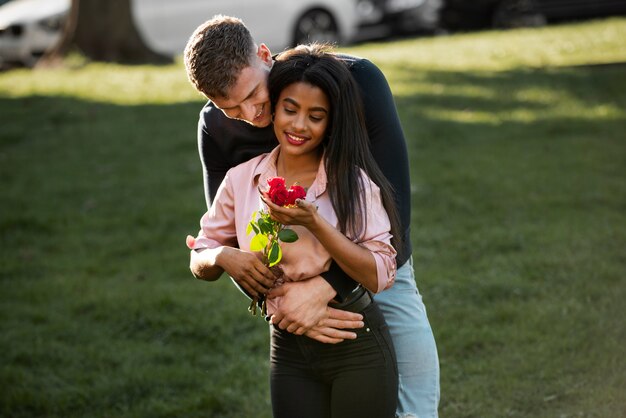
<point x="301" y="117"/>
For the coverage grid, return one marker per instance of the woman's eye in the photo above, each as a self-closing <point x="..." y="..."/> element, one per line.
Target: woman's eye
<point x="289" y="111"/>
<point x="316" y="118"/>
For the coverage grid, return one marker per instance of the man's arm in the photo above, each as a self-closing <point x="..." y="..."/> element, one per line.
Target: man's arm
<point x="387" y="141"/>
<point x="341" y="283"/>
<point x="304" y="307"/>
<point x="214" y="163"/>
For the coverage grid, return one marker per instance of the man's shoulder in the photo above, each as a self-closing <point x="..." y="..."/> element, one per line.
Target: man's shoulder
<point x="357" y="64"/>
<point x="221" y="129"/>
<point x="212" y="116"/>
<point x="364" y="71"/>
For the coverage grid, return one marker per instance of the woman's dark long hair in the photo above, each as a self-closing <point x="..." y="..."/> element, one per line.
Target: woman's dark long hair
<point x="346" y="144"/>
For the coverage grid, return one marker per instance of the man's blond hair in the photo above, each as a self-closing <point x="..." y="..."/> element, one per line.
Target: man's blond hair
<point x="216" y="53"/>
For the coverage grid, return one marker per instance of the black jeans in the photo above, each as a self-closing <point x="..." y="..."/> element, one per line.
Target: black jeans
<point x="353" y="379"/>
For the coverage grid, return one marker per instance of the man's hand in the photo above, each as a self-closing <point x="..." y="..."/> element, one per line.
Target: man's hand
<point x="247" y="270"/>
<point x="304" y="305"/>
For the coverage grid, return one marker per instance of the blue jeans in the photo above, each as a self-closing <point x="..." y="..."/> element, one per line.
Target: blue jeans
<point x="416" y="351"/>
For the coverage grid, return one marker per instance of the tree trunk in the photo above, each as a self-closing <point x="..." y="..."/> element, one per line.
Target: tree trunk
<point x="103" y="31"/>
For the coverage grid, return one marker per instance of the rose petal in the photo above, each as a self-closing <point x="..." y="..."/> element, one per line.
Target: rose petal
<point x="276" y="182"/>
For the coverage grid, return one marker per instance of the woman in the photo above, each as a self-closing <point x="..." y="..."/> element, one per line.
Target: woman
<point x="347" y="216"/>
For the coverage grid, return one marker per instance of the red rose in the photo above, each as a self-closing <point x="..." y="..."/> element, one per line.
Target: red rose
<point x="276" y="183"/>
<point x="279" y="196"/>
<point x="295" y="192"/>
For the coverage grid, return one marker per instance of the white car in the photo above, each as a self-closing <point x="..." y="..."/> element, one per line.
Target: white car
<point x="29" y="27"/>
<point x="166" y="25"/>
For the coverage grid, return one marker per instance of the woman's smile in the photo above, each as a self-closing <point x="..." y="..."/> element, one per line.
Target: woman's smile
<point x="295" y="139"/>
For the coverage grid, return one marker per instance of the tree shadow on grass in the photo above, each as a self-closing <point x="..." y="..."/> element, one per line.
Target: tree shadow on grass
<point x="513" y="104"/>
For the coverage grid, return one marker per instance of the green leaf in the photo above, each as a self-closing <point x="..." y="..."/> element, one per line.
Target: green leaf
<point x="264" y="226"/>
<point x="288" y="235"/>
<point x="275" y="255"/>
<point x="252" y="225"/>
<point x="258" y="243"/>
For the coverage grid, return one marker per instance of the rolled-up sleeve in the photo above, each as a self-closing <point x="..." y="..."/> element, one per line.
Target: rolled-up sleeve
<point x="217" y="226"/>
<point x="377" y="236"/>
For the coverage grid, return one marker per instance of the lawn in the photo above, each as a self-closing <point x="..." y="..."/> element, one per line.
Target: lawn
<point x="518" y="165"/>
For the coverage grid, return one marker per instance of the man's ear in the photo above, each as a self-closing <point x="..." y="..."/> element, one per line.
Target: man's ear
<point x="264" y="53"/>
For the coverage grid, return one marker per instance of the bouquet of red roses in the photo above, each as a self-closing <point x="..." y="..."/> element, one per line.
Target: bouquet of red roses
<point x="269" y="233"/>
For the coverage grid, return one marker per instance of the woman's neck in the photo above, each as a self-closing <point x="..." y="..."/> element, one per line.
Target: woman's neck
<point x="301" y="169"/>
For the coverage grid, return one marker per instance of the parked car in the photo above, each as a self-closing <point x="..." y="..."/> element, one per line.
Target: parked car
<point x="463" y="14"/>
<point x="398" y="16"/>
<point x="29" y="27"/>
<point x="167" y="25"/>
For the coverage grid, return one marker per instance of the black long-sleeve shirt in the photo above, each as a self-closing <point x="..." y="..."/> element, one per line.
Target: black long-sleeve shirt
<point x="224" y="143"/>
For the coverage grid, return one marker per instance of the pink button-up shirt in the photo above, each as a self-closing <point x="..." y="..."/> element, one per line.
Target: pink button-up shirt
<point x="238" y="198"/>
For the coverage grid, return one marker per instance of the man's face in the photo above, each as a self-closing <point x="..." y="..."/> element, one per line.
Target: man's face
<point x="249" y="100"/>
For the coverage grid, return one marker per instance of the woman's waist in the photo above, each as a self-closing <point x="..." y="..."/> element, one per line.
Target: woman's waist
<point x="359" y="299"/>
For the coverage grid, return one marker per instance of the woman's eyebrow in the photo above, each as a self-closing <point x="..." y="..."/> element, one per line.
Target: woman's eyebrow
<point x="314" y="109"/>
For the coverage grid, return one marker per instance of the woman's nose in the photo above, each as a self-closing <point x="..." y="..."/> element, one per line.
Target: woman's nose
<point x="298" y="123"/>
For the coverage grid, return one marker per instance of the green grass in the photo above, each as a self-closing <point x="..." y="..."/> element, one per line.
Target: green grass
<point x="518" y="158"/>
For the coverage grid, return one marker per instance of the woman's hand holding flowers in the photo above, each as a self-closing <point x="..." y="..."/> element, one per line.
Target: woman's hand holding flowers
<point x="247" y="270"/>
<point x="300" y="212"/>
<point x="269" y="232"/>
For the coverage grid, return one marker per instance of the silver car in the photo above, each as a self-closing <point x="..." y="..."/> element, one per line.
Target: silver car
<point x="167" y="25"/>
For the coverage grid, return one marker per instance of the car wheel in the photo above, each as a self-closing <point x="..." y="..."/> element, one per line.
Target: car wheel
<point x="316" y="26"/>
<point x="517" y="14"/>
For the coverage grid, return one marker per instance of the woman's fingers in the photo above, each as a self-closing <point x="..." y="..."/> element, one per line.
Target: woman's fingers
<point x="249" y="289"/>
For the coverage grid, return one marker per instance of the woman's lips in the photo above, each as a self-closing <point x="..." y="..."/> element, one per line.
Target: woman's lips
<point x="295" y="139"/>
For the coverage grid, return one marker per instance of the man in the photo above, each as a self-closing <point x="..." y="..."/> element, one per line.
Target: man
<point x="225" y="64"/>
